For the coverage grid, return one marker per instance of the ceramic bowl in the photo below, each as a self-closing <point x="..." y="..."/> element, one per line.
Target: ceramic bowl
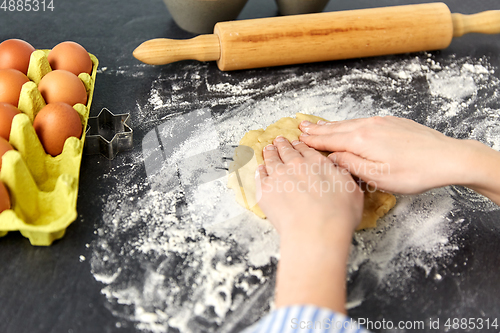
<point x="295" y="7"/>
<point x="200" y="16"/>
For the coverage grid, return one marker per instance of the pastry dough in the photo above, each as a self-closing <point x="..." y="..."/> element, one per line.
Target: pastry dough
<point x="242" y="177"/>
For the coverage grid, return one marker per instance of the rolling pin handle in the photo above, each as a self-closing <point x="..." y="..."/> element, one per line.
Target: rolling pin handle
<point x="163" y="51"/>
<point x="484" y="23"/>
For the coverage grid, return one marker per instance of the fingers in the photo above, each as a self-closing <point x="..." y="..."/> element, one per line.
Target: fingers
<point x="358" y="166"/>
<point x="285" y="149"/>
<point x="348" y="161"/>
<point x="304" y="149"/>
<point x="261" y="172"/>
<point x="322" y="127"/>
<point x="271" y="158"/>
<point x="282" y="151"/>
<point x="330" y="136"/>
<point x="330" y="142"/>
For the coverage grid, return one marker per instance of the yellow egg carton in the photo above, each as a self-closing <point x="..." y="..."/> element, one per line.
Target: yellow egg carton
<point x="43" y="189"/>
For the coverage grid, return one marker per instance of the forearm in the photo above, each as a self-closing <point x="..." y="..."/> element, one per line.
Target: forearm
<point x="312" y="270"/>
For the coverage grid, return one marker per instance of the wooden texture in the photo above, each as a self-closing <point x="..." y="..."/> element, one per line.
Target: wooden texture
<point x="334" y="35"/>
<point x="484" y="23"/>
<point x="164" y="51"/>
<point x="288" y="40"/>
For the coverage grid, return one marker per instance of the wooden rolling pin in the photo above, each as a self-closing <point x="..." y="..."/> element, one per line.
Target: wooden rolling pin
<point x="327" y="36"/>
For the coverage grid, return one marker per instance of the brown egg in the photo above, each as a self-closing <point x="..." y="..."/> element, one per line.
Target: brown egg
<point x="70" y="56"/>
<point x="4" y="147"/>
<point x="15" y="54"/>
<point x="62" y="86"/>
<point x="11" y="82"/>
<point x="54" y="124"/>
<point x="7" y="113"/>
<point x="4" y="198"/>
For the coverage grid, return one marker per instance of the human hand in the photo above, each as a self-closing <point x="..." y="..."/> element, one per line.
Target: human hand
<point x="315" y="206"/>
<point x="393" y="154"/>
<point x="302" y="191"/>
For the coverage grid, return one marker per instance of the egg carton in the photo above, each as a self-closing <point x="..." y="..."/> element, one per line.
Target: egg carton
<point x="43" y="189"/>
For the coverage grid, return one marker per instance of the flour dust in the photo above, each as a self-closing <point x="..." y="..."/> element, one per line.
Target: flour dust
<point x="177" y="257"/>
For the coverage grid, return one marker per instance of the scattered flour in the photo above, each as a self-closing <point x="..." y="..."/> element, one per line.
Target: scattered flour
<point x="173" y="256"/>
<point x="135" y="71"/>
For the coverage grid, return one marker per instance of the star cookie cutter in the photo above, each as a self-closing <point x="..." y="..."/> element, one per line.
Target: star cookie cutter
<point x="108" y="134"/>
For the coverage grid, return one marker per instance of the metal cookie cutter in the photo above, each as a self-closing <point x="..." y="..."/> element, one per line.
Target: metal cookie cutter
<point x="107" y="134"/>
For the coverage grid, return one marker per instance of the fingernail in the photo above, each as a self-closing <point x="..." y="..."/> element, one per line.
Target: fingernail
<point x="280" y="139"/>
<point x="321" y="122"/>
<point x="270" y="147"/>
<point x="295" y="142"/>
<point x="306" y="123"/>
<point x="304" y="134"/>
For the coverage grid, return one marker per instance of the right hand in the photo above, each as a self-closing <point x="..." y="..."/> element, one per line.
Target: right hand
<point x="315" y="206"/>
<point x="393" y="154"/>
<point x="304" y="194"/>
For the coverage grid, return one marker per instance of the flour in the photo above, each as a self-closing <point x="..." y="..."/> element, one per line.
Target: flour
<point x="135" y="71"/>
<point x="418" y="229"/>
<point x="172" y="255"/>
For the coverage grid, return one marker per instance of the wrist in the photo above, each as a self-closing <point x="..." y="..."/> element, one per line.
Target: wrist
<point x="471" y="164"/>
<point x="313" y="259"/>
<point x="312" y="270"/>
<point x="330" y="235"/>
<point x="452" y="167"/>
<point x="460" y="165"/>
<point x="481" y="173"/>
<point x="306" y="251"/>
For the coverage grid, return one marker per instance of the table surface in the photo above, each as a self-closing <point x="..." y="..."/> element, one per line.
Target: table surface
<point x="64" y="288"/>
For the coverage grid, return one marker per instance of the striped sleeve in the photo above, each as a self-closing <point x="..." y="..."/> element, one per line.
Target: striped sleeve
<point x="305" y="319"/>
